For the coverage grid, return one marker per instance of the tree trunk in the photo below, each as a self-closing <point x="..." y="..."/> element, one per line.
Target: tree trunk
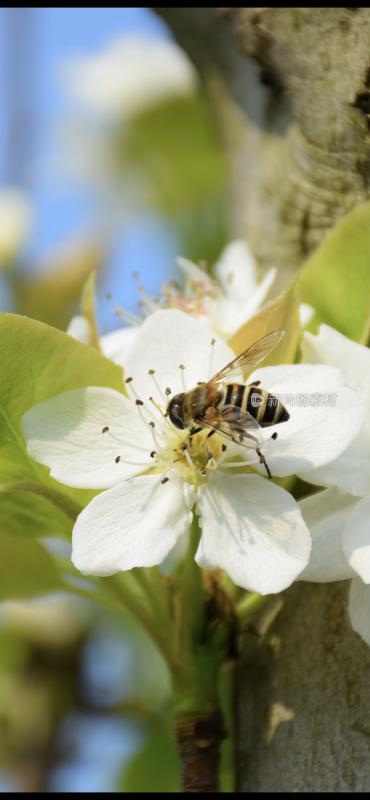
<point x="290" y="90"/>
<point x="303" y="698"/>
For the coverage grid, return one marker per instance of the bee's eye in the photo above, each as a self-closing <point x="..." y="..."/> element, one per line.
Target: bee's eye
<point x="174" y="411"/>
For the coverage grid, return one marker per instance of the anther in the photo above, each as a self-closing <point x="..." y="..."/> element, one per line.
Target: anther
<point x="128" y="380"/>
<point x="153" y="453"/>
<point x="118" y="459"/>
<point x="168" y="391"/>
<point x="274" y="436"/>
<point x="105" y="429"/>
<point x="152" y="424"/>
<point x="181" y="366"/>
<point x="165" y="480"/>
<point x="200" y="383"/>
<point x="224" y="448"/>
<point x="151" y="372"/>
<point x="183" y="446"/>
<point x="213" y="341"/>
<point x="139" y="402"/>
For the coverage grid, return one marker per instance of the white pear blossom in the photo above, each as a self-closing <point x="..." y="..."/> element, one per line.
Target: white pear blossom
<point x="224" y="300"/>
<point x="350" y="472"/>
<point x="98" y="438"/>
<point x="337" y="518"/>
<point x="339" y="526"/>
<point x="229" y="299"/>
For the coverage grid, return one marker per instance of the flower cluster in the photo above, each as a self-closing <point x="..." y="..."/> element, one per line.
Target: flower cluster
<point x="338" y="517"/>
<point x="156" y="475"/>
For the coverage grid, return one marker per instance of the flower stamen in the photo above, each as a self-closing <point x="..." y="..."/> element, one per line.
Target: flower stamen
<point x="182" y="377"/>
<point x="210" y="371"/>
<point x="151" y="372"/>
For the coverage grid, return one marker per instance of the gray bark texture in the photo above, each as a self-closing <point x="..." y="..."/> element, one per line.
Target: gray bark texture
<point x="303" y="698"/>
<point x="290" y="90"/>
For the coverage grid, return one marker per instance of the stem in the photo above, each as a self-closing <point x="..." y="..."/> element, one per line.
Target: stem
<point x="198" y="720"/>
<point x="151" y="583"/>
<point x="97" y="597"/>
<point x="248" y="605"/>
<point x="190" y="618"/>
<point x="135" y="606"/>
<point x="199" y="749"/>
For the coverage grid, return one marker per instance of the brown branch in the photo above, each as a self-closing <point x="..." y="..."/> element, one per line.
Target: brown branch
<point x="199" y="750"/>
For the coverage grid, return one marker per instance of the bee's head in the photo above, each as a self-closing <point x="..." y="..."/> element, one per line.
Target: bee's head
<point x="175" y="411"/>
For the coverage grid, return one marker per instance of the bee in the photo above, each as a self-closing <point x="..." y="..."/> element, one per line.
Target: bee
<point x="233" y="410"/>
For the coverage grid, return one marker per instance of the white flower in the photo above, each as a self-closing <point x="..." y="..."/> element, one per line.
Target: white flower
<point x="338" y="520"/>
<point x="234" y="296"/>
<point x="130" y="76"/>
<point x="15" y="223"/>
<point x="340" y="530"/>
<point x="350" y="472"/>
<point x="251" y="528"/>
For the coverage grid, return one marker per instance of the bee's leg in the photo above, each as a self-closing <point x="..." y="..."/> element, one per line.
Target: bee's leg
<point x="208" y="451"/>
<point x="255" y="383"/>
<point x="263" y="461"/>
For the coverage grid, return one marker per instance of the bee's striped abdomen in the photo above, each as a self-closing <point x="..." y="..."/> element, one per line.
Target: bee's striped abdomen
<point x="263" y="406"/>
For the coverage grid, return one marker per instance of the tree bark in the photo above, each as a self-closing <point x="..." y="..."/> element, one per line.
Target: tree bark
<point x="290" y="90"/>
<point x="303" y="698"/>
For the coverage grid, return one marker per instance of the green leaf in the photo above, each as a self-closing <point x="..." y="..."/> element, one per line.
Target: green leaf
<point x="336" y="280"/>
<point x="283" y="313"/>
<point x="30" y="509"/>
<point x="157" y="767"/>
<point x="38" y="362"/>
<point x="26" y="569"/>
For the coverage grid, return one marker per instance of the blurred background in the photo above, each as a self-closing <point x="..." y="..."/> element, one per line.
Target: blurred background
<point x="109" y="160"/>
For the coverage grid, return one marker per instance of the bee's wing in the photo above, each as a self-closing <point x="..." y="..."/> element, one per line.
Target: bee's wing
<point x="250" y="358"/>
<point x="241" y="429"/>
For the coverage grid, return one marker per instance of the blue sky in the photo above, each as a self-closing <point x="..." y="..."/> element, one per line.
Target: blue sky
<point x="59" y="34"/>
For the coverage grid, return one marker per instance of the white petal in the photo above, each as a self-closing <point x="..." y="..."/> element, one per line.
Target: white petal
<point x="350" y="472"/>
<point x="236" y="271"/>
<point x="314" y="435"/>
<point x="298" y="374"/>
<point x="167" y="339"/>
<point x="356" y="539"/>
<point x="331" y="347"/>
<point x="325" y="515"/>
<point x="192" y="271"/>
<point x="135" y="524"/>
<point x="234" y="313"/>
<point x="79" y="328"/>
<point x="116" y="344"/>
<point x="65" y="434"/>
<point x="253" y="530"/>
<point x="359" y="608"/>
<point x="306" y="313"/>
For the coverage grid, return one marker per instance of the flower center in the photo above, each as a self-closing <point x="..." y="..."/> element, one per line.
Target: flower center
<point x="179" y="453"/>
